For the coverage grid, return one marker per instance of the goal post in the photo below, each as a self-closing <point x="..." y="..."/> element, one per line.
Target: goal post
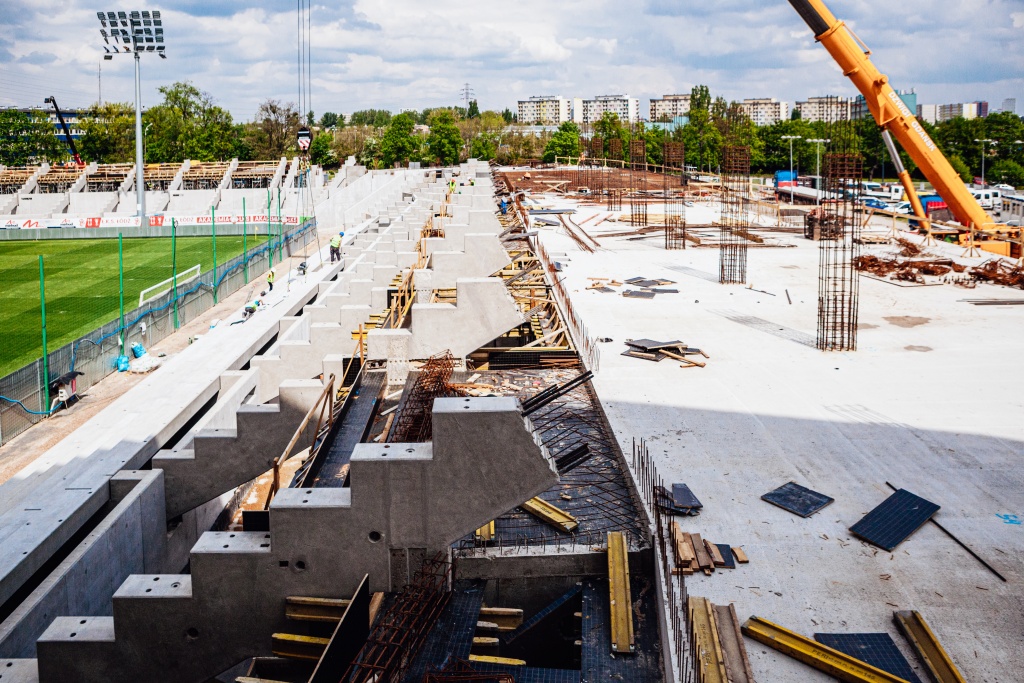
<point x="157" y="290"/>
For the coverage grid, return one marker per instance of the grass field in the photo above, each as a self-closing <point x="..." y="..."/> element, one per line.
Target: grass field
<point x="82" y="285"/>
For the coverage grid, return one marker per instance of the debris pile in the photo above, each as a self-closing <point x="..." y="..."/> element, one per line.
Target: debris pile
<point x="657" y="351"/>
<point x="999" y="272"/>
<point x="906" y="271"/>
<point x="694" y="554"/>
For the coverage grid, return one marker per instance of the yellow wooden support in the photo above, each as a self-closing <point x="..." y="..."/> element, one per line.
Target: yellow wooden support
<point x="927" y="647"/>
<point x="297" y="647"/>
<point x="547" y="512"/>
<point x="833" y="662"/>
<point x="486" y="532"/>
<point x="623" y="641"/>
<point x="707" y="646"/>
<point x="314" y="609"/>
<point x="497" y="660"/>
<point x="505" y="618"/>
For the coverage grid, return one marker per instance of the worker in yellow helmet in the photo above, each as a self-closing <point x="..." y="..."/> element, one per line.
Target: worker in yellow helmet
<point x="270" y="279"/>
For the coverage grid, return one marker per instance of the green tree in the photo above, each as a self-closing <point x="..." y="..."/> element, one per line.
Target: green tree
<point x="564" y="143"/>
<point x="399" y="144"/>
<point x="608" y="128"/>
<point x="508" y="115"/>
<point x="445" y="140"/>
<point x="310" y="118"/>
<point x="378" y="118"/>
<point x="320" y="151"/>
<point x="109" y="133"/>
<point x="27" y="138"/>
<point x="474" y="110"/>
<point x="273" y="133"/>
<point x="330" y="120"/>
<point x="1006" y="171"/>
<point x="702" y="138"/>
<point x="188" y="125"/>
<point x="484" y="146"/>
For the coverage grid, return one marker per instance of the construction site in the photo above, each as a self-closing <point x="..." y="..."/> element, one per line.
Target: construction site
<point x="585" y="421"/>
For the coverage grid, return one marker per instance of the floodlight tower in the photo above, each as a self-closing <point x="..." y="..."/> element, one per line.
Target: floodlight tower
<point x="133" y="33"/>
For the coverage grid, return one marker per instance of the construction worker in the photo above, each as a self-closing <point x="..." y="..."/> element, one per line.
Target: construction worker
<point x="251" y="308"/>
<point x="270" y="279"/>
<point x="336" y="247"/>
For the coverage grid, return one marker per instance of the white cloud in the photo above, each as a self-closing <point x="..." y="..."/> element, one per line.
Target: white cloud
<point x="410" y="54"/>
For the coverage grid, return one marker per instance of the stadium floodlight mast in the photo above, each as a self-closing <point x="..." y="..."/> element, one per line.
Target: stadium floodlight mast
<point x="792" y="181"/>
<point x="134" y="33"/>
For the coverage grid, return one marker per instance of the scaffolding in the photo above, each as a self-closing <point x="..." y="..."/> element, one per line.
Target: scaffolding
<point x="735" y="197"/>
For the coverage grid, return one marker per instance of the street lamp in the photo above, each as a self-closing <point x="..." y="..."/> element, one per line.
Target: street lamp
<point x="984" y="151"/>
<point x="792" y="180"/>
<point x="817" y="166"/>
<point x="133" y="33"/>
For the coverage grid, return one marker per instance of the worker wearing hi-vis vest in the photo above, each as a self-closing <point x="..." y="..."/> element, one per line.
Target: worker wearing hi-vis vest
<point x="270" y="279"/>
<point x="336" y="247"/>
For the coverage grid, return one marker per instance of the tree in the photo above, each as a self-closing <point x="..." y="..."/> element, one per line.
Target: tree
<point x="310" y="118"/>
<point x="273" y="133"/>
<point x="508" y="115"/>
<point x="564" y="143"/>
<point x="1007" y="171"/>
<point x="399" y="144"/>
<point x="473" y="111"/>
<point x="445" y="141"/>
<point x="109" y="133"/>
<point x="608" y="128"/>
<point x="28" y="137"/>
<point x="320" y="152"/>
<point x="701" y="136"/>
<point x="330" y="120"/>
<point x="484" y="147"/>
<point x="188" y="125"/>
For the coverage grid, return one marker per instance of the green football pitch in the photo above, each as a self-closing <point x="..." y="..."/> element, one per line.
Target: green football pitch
<point x="81" y="278"/>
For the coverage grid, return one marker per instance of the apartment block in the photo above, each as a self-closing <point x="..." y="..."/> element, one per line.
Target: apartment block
<point x="627" y="108"/>
<point x="826" y="108"/>
<point x="764" y="111"/>
<point x="669" y="107"/>
<point x="545" y="110"/>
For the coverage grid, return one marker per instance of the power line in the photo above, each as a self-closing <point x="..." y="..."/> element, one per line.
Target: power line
<point x="467" y="94"/>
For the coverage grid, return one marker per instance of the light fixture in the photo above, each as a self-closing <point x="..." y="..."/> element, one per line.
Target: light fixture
<point x="134" y="33"/>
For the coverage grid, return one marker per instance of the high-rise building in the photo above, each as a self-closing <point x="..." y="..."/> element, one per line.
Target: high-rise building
<point x="764" y="111"/>
<point x="859" y="107"/>
<point x="625" y="107"/>
<point x="550" y="110"/>
<point x="1009" y="105"/>
<point x="827" y="108"/>
<point x="670" y="107"/>
<point x="967" y="110"/>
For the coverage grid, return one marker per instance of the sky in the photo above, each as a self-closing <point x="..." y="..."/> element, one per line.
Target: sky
<point x="413" y="54"/>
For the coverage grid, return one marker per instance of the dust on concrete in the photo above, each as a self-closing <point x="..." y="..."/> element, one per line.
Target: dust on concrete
<point x="866" y="326"/>
<point x="922" y="349"/>
<point x="907" y="321"/>
<point x="23" y="449"/>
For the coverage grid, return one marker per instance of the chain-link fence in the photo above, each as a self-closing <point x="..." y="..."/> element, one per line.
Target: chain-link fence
<point x="84" y="303"/>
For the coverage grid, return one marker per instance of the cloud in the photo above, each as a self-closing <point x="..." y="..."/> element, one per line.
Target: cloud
<point x="409" y="54"/>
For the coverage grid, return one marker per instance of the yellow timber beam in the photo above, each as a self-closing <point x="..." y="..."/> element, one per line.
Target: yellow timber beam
<point x="707" y="646"/>
<point x="833" y="662"/>
<point x="619" y="594"/>
<point x="927" y="647"/>
<point x="547" y="512"/>
<point x="297" y="647"/>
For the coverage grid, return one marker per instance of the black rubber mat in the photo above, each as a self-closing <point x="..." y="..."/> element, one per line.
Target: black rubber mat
<point x="894" y="520"/>
<point x="876" y="649"/>
<point x="726" y="550"/>
<point x="797" y="499"/>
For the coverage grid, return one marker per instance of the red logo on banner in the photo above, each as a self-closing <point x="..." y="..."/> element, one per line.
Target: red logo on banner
<point x="30" y="224"/>
<point x="156" y="221"/>
<point x="92" y="222"/>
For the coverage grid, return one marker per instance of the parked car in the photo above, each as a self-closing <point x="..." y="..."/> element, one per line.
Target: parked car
<point x="902" y="207"/>
<point x="873" y="203"/>
<point x="1005" y="187"/>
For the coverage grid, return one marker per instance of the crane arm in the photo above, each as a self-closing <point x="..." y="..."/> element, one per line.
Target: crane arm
<point x="67" y="131"/>
<point x="891" y="113"/>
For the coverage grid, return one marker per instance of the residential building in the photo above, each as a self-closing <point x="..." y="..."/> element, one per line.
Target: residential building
<point x="577" y="110"/>
<point x="967" y="110"/>
<point x="669" y="107"/>
<point x="929" y="113"/>
<point x="627" y="108"/>
<point x="764" y="111"/>
<point x="859" y="107"/>
<point x="71" y="117"/>
<point x="828" y="108"/>
<point x="545" y="110"/>
<point x="1009" y="105"/>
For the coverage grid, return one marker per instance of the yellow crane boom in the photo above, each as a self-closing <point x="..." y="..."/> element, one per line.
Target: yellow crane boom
<point x="892" y="114"/>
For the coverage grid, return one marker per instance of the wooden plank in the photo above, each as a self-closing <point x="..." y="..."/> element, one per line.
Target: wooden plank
<point x="620" y="599"/>
<point x="684" y="551"/>
<point x="734" y="652"/>
<point x="704" y="560"/>
<point x="706" y="645"/>
<point x="741" y="556"/>
<point x="715" y="553"/>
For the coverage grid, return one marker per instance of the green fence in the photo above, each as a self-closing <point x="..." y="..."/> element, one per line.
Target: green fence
<point x="82" y="303"/>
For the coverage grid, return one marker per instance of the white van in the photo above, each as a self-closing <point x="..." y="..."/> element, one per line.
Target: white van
<point x="988" y="199"/>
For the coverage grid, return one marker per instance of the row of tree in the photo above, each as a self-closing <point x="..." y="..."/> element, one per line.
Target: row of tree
<point x="188" y="124"/>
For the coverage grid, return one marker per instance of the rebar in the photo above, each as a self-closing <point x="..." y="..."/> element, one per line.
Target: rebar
<point x="734" y="220"/>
